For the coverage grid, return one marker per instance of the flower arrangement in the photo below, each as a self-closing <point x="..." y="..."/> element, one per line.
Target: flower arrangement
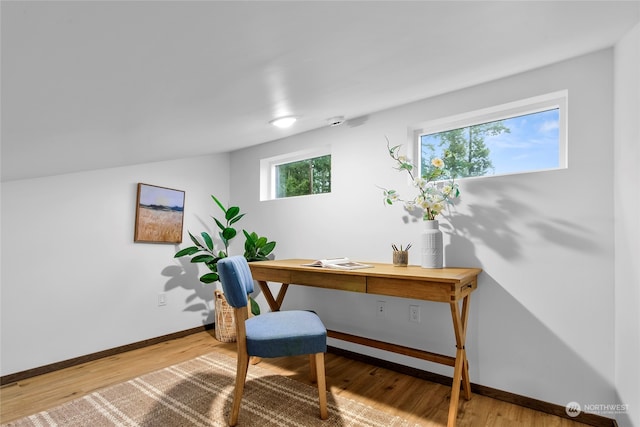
<point x="436" y="189"/>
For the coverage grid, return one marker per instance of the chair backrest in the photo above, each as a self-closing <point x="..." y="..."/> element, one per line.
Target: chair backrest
<point x="237" y="281"/>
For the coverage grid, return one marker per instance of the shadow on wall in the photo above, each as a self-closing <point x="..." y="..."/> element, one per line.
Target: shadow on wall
<point x="492" y="223"/>
<point x="562" y="375"/>
<point x="357" y="121"/>
<point x="503" y="226"/>
<point x="186" y="276"/>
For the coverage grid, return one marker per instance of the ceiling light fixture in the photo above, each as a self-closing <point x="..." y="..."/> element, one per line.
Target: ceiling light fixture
<point x="283" y="122"/>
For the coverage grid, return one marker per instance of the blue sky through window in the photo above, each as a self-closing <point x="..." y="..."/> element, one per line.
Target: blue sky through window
<point x="533" y="143"/>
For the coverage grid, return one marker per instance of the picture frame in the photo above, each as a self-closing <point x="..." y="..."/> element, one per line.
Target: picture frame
<point x="159" y="214"/>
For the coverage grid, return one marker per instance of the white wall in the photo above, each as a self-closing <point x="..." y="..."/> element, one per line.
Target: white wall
<point x="542" y="320"/>
<point x="73" y="281"/>
<point x="627" y="220"/>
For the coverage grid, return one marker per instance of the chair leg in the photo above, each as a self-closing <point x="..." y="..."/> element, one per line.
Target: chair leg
<point x="241" y="377"/>
<point x="313" y="374"/>
<point x="318" y="360"/>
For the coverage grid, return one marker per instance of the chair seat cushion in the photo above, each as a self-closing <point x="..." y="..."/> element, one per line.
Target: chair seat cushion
<point x="285" y="333"/>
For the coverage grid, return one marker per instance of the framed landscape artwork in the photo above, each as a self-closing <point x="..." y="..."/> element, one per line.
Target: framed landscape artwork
<point x="159" y="214"/>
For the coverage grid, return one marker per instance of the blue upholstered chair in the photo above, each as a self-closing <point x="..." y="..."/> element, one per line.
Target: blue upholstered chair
<point x="274" y="334"/>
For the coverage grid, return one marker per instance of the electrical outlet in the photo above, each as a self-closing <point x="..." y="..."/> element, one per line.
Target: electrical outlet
<point x="380" y="308"/>
<point x="414" y="313"/>
<point x="162" y="299"/>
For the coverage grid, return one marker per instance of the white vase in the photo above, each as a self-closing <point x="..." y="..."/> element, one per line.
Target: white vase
<point x="431" y="245"/>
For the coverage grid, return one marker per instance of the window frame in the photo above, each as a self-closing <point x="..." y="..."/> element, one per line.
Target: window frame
<point x="268" y="178"/>
<point x="509" y="110"/>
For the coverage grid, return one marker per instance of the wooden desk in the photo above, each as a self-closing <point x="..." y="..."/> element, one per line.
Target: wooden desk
<point x="448" y="285"/>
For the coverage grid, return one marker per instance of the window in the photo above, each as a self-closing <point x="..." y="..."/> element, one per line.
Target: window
<point x="520" y="137"/>
<point x="296" y="174"/>
<point x="310" y="176"/>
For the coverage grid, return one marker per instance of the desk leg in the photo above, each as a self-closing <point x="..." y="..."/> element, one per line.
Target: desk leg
<point x="274" y="303"/>
<point x="461" y="367"/>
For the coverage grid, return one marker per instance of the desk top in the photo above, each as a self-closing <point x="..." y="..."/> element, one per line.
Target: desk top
<point x="441" y="284"/>
<point x="449" y="274"/>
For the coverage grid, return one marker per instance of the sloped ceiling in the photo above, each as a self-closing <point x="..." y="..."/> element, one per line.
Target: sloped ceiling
<point x="91" y="84"/>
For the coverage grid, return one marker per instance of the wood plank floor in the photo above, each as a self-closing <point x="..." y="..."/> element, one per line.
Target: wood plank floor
<point x="411" y="398"/>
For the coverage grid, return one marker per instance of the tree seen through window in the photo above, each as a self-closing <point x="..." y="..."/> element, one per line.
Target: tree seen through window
<point x="518" y="144"/>
<point x="309" y="176"/>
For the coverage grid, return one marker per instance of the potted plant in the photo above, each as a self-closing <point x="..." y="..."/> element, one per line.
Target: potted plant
<point x="256" y="248"/>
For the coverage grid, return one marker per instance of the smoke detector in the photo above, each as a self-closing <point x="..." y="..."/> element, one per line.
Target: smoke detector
<point x="336" y="121"/>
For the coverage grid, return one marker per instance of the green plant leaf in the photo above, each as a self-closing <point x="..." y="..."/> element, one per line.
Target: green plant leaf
<point x="392" y="150"/>
<point x="268" y="248"/>
<point x="202" y="258"/>
<point x="231" y="212"/>
<point x="187" y="251"/>
<point x="221" y="226"/>
<point x="209" y="278"/>
<point x="236" y="219"/>
<point x="219" y="204"/>
<point x="207" y="239"/>
<point x="255" y="308"/>
<point x="229" y="233"/>
<point x="261" y="242"/>
<point x="249" y="248"/>
<point x="194" y="240"/>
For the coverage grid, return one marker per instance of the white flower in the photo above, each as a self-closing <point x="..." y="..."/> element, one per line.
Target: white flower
<point x="433" y="194"/>
<point x="437" y="162"/>
<point x="437" y="208"/>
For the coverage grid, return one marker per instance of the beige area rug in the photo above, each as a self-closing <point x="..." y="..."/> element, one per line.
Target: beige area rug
<point x="199" y="393"/>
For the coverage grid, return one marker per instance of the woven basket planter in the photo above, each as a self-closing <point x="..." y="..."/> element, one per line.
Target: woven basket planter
<point x="225" y="327"/>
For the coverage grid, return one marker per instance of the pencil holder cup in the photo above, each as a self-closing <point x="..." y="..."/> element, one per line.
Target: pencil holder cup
<point x="400" y="258"/>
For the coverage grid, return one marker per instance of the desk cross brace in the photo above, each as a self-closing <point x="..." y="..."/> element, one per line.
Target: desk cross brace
<point x="459" y="363"/>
